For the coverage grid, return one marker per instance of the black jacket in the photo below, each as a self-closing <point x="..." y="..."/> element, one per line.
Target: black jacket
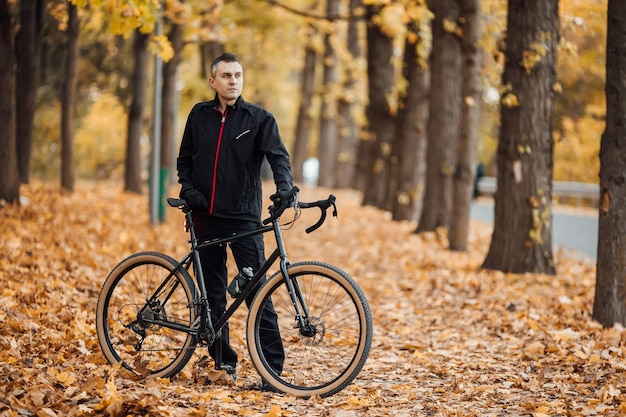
<point x="221" y="156"/>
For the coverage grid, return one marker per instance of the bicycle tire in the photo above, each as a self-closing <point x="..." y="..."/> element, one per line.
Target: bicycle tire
<point x="326" y="362"/>
<point x="164" y="351"/>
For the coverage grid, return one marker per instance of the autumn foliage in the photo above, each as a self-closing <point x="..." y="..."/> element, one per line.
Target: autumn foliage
<point x="450" y="339"/>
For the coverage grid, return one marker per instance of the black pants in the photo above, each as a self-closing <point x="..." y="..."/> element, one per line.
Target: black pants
<point x="249" y="252"/>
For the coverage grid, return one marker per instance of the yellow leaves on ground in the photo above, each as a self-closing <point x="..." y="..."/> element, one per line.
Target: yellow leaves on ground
<point x="275" y="411"/>
<point x="450" y="339"/>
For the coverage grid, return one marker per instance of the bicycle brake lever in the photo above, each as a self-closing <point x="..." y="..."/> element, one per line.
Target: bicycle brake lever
<point x="331" y="199"/>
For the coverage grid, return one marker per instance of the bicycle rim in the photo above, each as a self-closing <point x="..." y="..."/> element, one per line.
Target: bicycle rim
<point x="326" y="360"/>
<point x="123" y="316"/>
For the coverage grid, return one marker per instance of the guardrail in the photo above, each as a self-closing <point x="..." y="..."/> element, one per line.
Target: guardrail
<point x="564" y="192"/>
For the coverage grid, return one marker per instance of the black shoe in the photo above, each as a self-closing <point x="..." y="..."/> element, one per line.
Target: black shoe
<point x="266" y="387"/>
<point x="230" y="370"/>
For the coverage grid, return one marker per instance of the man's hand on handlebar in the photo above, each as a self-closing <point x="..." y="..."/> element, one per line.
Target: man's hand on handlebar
<point x="289" y="198"/>
<point x="285" y="198"/>
<point x="282" y="200"/>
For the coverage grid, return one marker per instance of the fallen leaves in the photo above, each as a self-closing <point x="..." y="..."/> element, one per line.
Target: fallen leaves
<point x="450" y="339"/>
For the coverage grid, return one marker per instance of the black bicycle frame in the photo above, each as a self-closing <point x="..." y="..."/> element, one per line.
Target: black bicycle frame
<point x="194" y="257"/>
<point x="205" y="317"/>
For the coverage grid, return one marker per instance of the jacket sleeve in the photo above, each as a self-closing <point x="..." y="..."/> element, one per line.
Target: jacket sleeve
<point x="273" y="147"/>
<point x="184" y="162"/>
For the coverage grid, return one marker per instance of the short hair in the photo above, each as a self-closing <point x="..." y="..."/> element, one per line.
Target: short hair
<point x="226" y="57"/>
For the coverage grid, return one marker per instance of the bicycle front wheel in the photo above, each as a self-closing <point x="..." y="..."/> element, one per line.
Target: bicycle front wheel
<point x="144" y="314"/>
<point x="327" y="353"/>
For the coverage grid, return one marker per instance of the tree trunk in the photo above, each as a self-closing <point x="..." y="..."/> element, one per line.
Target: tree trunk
<point x="381" y="79"/>
<point x="28" y="46"/>
<point x="303" y="124"/>
<point x="522" y="236"/>
<point x="67" y="100"/>
<point x="168" y="113"/>
<point x="327" y="150"/>
<point x="9" y="179"/>
<point x="350" y="103"/>
<point x="208" y="52"/>
<point x="444" y="116"/>
<point x="209" y="49"/>
<point x="168" y="97"/>
<point x="409" y="148"/>
<point x="139" y="86"/>
<point x="609" y="306"/>
<point x="463" y="183"/>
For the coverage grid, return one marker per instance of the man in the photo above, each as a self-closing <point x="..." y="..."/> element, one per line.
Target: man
<point x="219" y="164"/>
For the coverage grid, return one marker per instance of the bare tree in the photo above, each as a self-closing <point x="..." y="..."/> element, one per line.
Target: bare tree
<point x="350" y="102"/>
<point x="168" y="106"/>
<point x="609" y="306"/>
<point x="27" y="51"/>
<point x="464" y="173"/>
<point x="67" y="99"/>
<point x="9" y="179"/>
<point x="209" y="49"/>
<point x="444" y="115"/>
<point x="522" y="236"/>
<point x="300" y="150"/>
<point x="327" y="149"/>
<point x="208" y="52"/>
<point x="139" y="86"/>
<point x="409" y="148"/>
<point x="375" y="153"/>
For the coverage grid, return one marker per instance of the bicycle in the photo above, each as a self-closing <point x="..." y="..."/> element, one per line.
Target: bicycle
<point x="151" y="315"/>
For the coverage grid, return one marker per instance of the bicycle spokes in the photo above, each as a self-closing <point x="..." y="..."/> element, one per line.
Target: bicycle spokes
<point x="324" y="349"/>
<point x="145" y="315"/>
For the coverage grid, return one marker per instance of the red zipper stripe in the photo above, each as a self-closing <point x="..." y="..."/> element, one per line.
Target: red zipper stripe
<point x="217" y="154"/>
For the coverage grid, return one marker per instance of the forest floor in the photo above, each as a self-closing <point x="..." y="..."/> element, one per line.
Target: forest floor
<point x="450" y="339"/>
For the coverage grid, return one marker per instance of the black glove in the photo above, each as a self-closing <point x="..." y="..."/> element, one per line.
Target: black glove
<point x="285" y="198"/>
<point x="196" y="199"/>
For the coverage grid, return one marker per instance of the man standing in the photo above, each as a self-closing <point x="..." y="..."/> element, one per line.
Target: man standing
<point x="219" y="169"/>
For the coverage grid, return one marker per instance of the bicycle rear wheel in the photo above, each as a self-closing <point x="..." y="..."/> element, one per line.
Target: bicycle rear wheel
<point x="136" y="293"/>
<point x="325" y="357"/>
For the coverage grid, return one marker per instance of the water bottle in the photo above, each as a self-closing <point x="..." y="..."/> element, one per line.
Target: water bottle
<point x="240" y="281"/>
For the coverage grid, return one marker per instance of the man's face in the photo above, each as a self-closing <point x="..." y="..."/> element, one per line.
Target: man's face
<point x="228" y="81"/>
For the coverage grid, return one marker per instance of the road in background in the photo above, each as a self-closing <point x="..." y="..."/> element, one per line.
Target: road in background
<point x="573" y="230"/>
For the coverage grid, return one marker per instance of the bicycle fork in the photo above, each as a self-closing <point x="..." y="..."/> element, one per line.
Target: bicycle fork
<point x="303" y="319"/>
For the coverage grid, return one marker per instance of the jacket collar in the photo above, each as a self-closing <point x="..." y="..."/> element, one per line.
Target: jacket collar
<point x="239" y="102"/>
